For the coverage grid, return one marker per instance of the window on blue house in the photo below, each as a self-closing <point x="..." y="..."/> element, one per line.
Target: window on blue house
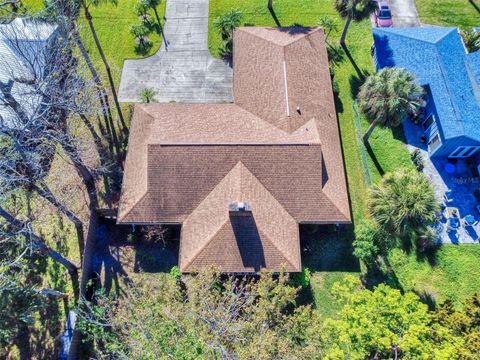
<point x="428" y="122"/>
<point x="464" y="151"/>
<point x="434" y="143"/>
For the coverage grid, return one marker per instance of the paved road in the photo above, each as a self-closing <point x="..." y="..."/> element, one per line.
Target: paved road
<point x="404" y="13"/>
<point x="183" y="69"/>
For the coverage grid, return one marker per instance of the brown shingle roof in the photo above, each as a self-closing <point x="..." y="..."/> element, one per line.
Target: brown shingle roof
<point x="265" y="238"/>
<point x="187" y="162"/>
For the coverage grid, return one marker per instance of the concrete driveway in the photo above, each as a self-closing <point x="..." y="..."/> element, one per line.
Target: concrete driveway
<point x="183" y="69"/>
<point x="404" y="13"/>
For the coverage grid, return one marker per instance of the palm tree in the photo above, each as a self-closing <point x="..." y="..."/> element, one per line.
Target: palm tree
<point x="356" y="10"/>
<point x="153" y="5"/>
<point x="225" y="25"/>
<point x="471" y="39"/>
<point x="88" y="16"/>
<point x="388" y="97"/>
<point x="147" y="94"/>
<point x="141" y="9"/>
<point x="402" y="202"/>
<point x="140" y="31"/>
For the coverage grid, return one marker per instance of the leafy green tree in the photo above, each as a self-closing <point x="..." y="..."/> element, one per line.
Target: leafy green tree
<point x="225" y="25"/>
<point x="356" y="10"/>
<point x="371" y="241"/>
<point x="208" y="316"/>
<point x="403" y="202"/>
<point x="471" y="39"/>
<point x="464" y="321"/>
<point x="384" y="323"/>
<point x="388" y="97"/>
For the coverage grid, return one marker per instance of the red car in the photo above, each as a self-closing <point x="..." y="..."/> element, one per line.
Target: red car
<point x="383" y="16"/>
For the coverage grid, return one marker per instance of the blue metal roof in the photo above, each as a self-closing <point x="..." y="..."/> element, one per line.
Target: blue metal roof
<point x="437" y="56"/>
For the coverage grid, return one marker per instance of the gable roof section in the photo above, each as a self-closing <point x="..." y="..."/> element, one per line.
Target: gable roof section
<point x="277" y="70"/>
<point x="438" y="58"/>
<point x="270" y="77"/>
<point x="265" y="238"/>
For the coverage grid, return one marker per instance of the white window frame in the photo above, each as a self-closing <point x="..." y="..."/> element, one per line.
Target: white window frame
<point x="463" y="152"/>
<point x="430" y="148"/>
<point x="427" y="118"/>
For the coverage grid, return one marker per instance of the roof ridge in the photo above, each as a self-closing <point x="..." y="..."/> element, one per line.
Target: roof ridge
<point x="280" y="251"/>
<point x="306" y="143"/>
<point x="399" y="32"/>
<point x="239" y="163"/>
<point x="312" y="29"/>
<point x="202" y="248"/>
<point x="269" y="193"/>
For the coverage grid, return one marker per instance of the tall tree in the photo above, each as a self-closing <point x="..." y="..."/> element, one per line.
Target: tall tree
<point x="384" y="323"/>
<point x="403" y="202"/>
<point x="22" y="169"/>
<point x="355" y="10"/>
<point x="209" y="316"/>
<point x="22" y="231"/>
<point x="86" y="8"/>
<point x="388" y="97"/>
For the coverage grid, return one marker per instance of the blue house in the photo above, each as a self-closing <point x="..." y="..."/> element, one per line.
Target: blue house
<point x="450" y="77"/>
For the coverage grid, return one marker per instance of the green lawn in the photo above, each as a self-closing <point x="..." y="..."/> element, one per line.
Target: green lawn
<point x="461" y="13"/>
<point x="112" y="24"/>
<point x="453" y="276"/>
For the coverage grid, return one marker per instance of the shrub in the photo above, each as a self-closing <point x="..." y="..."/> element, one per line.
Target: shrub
<point x="175" y="272"/>
<point x="140" y="32"/>
<point x="371" y="241"/>
<point x="147" y="95"/>
<point x="301" y="278"/>
<point x="417" y="159"/>
<point x="225" y="25"/>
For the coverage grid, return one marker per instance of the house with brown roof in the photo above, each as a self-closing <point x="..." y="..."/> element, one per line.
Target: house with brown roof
<point x="241" y="177"/>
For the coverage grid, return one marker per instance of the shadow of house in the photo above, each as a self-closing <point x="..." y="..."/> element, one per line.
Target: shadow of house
<point x="249" y="241"/>
<point x="382" y="51"/>
<point x="328" y="248"/>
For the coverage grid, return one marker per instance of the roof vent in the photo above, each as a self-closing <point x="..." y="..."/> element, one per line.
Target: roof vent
<point x="239" y="206"/>
<point x="299" y="110"/>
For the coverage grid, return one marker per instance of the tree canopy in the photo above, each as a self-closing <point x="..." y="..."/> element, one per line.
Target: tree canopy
<point x="384" y="323"/>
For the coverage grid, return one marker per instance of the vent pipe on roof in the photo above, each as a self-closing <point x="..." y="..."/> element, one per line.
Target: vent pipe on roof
<point x="240" y="208"/>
